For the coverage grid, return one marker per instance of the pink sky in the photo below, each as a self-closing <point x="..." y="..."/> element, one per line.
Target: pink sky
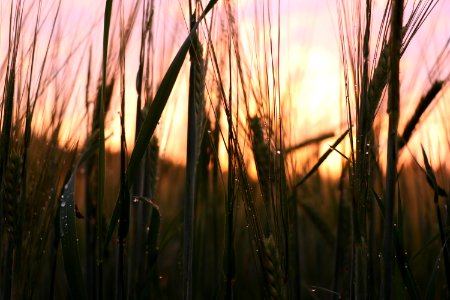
<point x="309" y="57"/>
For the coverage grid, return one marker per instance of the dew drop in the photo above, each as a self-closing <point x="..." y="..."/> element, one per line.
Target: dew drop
<point x="63" y="204"/>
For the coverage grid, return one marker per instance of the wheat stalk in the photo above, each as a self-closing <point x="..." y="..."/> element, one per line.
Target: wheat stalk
<point x="194" y="141"/>
<point x="392" y="149"/>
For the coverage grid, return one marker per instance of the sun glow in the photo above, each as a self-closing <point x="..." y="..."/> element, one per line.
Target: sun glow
<point x="310" y="74"/>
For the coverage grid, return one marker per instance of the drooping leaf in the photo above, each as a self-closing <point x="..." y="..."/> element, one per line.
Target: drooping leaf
<point x="154" y="115"/>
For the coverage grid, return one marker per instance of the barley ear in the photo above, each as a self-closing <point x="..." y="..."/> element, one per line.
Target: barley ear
<point x="273" y="274"/>
<point x="196" y="53"/>
<point x="261" y="152"/>
<point x="11" y="192"/>
<point x="151" y="168"/>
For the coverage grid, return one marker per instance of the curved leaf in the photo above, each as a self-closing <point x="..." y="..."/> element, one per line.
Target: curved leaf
<point x="153" y="116"/>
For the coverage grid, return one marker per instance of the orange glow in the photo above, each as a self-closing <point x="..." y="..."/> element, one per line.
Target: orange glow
<point x="310" y="72"/>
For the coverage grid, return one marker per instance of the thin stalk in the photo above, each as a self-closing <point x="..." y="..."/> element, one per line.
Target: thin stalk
<point x="124" y="196"/>
<point x="391" y="173"/>
<point x="138" y="181"/>
<point x="343" y="244"/>
<point x="90" y="206"/>
<point x="229" y="254"/>
<point x="140" y="213"/>
<point x="26" y="145"/>
<point x="54" y="263"/>
<point x="101" y="146"/>
<point x="191" y="159"/>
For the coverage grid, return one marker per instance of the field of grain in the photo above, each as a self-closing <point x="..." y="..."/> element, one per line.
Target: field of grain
<point x="208" y="150"/>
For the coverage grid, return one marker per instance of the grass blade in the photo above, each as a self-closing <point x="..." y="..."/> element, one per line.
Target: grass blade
<point x="125" y="192"/>
<point x="149" y="125"/>
<point x="432" y="178"/>
<point x="322" y="159"/>
<point x="69" y="240"/>
<point x="153" y="116"/>
<point x="101" y="147"/>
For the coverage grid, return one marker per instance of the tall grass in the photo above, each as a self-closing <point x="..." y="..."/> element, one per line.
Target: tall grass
<point x="216" y="227"/>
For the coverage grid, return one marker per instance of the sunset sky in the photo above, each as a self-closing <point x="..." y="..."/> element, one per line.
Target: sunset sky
<point x="310" y="65"/>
